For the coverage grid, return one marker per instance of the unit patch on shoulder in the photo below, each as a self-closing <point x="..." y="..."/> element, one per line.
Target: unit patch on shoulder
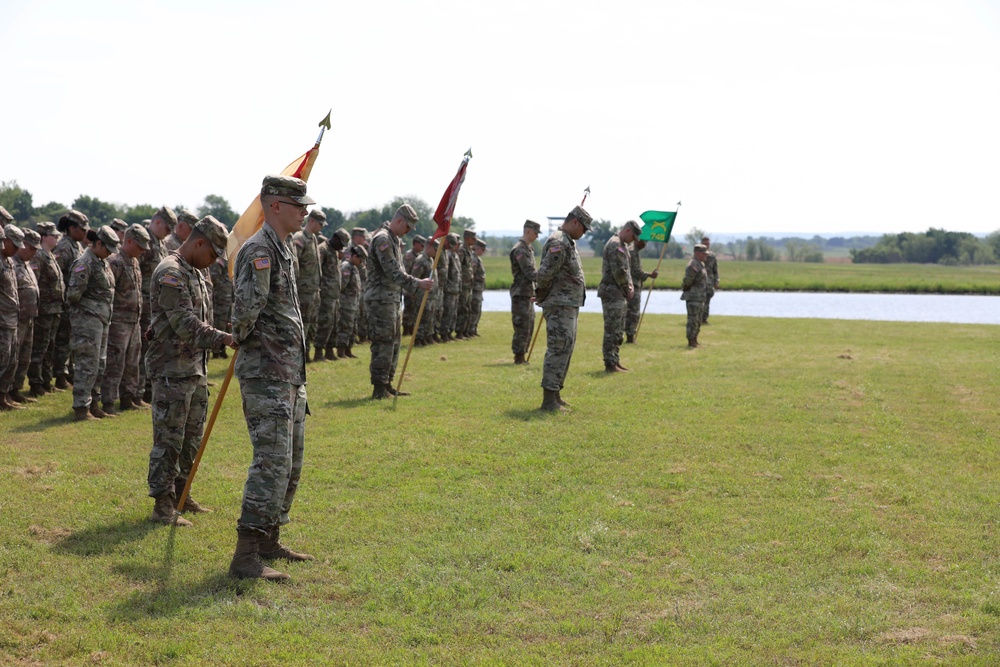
<point x="555" y="248"/>
<point x="384" y="247"/>
<point x="621" y="249"/>
<point x="169" y="280"/>
<point x="79" y="268"/>
<point x="262" y="263"/>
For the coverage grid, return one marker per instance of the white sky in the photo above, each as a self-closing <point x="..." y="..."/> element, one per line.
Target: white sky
<point x="809" y="116"/>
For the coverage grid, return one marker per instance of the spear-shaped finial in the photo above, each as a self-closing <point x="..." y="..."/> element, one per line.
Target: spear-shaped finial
<point x="585" y="193"/>
<point x="468" y="153"/>
<point x="324" y="125"/>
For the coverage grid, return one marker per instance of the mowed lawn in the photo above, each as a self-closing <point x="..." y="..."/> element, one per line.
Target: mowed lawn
<point x="795" y="492"/>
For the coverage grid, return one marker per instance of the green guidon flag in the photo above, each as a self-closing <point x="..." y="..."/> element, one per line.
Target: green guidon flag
<point x="658" y="225"/>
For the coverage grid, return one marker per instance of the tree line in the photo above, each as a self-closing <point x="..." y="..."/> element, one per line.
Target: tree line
<point x="935" y="246"/>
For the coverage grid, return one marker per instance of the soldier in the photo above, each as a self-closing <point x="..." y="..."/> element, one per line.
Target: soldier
<point x="383" y="294"/>
<point x="90" y="293"/>
<point x="27" y="298"/>
<point x="186" y="220"/>
<point x="222" y="301"/>
<point x="74" y="227"/>
<point x="329" y="294"/>
<point x="712" y="268"/>
<point x="12" y="241"/>
<point x="478" y="287"/>
<point x="443" y="270"/>
<point x="695" y="291"/>
<point x="638" y="278"/>
<point x="615" y="290"/>
<point x="452" y="289"/>
<point x="51" y="293"/>
<point x="309" y="274"/>
<point x="180" y="337"/>
<point x="561" y="291"/>
<point x="423" y="267"/>
<point x="350" y="297"/>
<point x="121" y="374"/>
<point x="359" y="236"/>
<point x="271" y="368"/>
<point x="160" y="225"/>
<point x="411" y="300"/>
<point x="467" y="269"/>
<point x="522" y="290"/>
<point x="120" y="226"/>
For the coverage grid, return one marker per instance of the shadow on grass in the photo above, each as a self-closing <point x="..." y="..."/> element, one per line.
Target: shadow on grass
<point x="348" y="403"/>
<point x="104" y="539"/>
<point x="529" y="414"/>
<point x="45" y="424"/>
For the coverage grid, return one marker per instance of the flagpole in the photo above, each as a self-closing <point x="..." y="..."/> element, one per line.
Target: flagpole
<point x="420" y="315"/>
<point x="663" y="251"/>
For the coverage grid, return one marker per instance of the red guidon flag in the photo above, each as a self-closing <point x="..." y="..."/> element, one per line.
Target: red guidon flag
<point x="446" y="208"/>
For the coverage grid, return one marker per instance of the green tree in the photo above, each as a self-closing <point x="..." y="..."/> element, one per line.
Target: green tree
<point x="51" y="211"/>
<point x="600" y="232"/>
<point x="217" y="207"/>
<point x="136" y="214"/>
<point x="694" y="236"/>
<point x="99" y="212"/>
<point x="334" y="220"/>
<point x="17" y="201"/>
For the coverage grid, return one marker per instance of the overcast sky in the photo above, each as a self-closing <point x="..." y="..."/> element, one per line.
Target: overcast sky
<point x="810" y="116"/>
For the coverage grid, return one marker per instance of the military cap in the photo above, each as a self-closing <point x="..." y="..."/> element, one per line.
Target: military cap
<point x="318" y="214"/>
<point x="469" y="232"/>
<point x="433" y="243"/>
<point x="168" y="216"/>
<point x="286" y="186"/>
<point x="119" y="225"/>
<point x="5" y="216"/>
<point x="360" y="251"/>
<point x="700" y="248"/>
<point x="409" y="214"/>
<point x="215" y="232"/>
<point x="580" y="214"/>
<point x="368" y="237"/>
<point x="481" y="244"/>
<point x="32" y="238"/>
<point x="187" y="216"/>
<point x="47" y="229"/>
<point x="634" y="226"/>
<point x="453" y="238"/>
<point x="139" y="233"/>
<point x="419" y="239"/>
<point x="14" y="234"/>
<point x="358" y="231"/>
<point x="533" y="226"/>
<point x="344" y="237"/>
<point x="108" y="236"/>
<point x="74" y="217"/>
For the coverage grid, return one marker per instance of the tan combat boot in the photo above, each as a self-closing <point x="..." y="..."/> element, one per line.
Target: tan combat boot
<point x="164" y="512"/>
<point x="560" y="401"/>
<point x="519" y="359"/>
<point x="83" y="415"/>
<point x="271" y="548"/>
<point x="17" y="396"/>
<point x="550" y="403"/>
<point x="246" y="560"/>
<point x="380" y="391"/>
<point x="331" y="355"/>
<point x="95" y="410"/>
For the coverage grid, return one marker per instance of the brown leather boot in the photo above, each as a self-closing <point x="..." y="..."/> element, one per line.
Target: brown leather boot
<point x="37" y="391"/>
<point x="519" y="359"/>
<point x="6" y="404"/>
<point x="331" y="355"/>
<point x="341" y="352"/>
<point x="692" y="343"/>
<point x="320" y="355"/>
<point x="350" y="354"/>
<point x="246" y="562"/>
<point x="380" y="391"/>
<point x="630" y="338"/>
<point x="271" y="548"/>
<point x="17" y="396"/>
<point x="164" y="512"/>
<point x="125" y="403"/>
<point x="95" y="410"/>
<point x="62" y="384"/>
<point x="610" y="368"/>
<point x="109" y="409"/>
<point x="550" y="403"/>
<point x="83" y="415"/>
<point x="560" y="401"/>
<point x="621" y="368"/>
<point x="193" y="506"/>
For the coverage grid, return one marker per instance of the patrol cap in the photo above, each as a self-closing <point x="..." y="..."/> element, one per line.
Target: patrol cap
<point x="286" y="186"/>
<point x="419" y="239"/>
<point x="167" y="215"/>
<point x="215" y="232"/>
<point x="432" y="243"/>
<point x="358" y="231"/>
<point x="187" y="216"/>
<point x="47" y="229"/>
<point x="481" y="244"/>
<point x="318" y="214"/>
<point x="14" y="234"/>
<point x="119" y="225"/>
<point x="580" y="214"/>
<point x="453" y="238"/>
<point x="139" y="233"/>
<point x="32" y="238"/>
<point x="700" y="248"/>
<point x="409" y="214"/>
<point x="74" y="217"/>
<point x="5" y="216"/>
<point x="533" y="226"/>
<point x="344" y="237"/>
<point x="469" y="233"/>
<point x="108" y="236"/>
<point x="634" y="226"/>
<point x="360" y="251"/>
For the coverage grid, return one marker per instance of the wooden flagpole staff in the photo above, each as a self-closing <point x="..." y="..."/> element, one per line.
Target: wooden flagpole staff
<point x="663" y="251"/>
<point x="420" y="316"/>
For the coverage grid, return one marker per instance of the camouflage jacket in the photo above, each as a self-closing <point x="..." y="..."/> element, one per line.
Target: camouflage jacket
<point x="478" y="274"/>
<point x="442" y="268"/>
<point x="8" y="294"/>
<point x="171" y="243"/>
<point x="329" y="264"/>
<point x="423" y="268"/>
<point x="350" y="285"/>
<point x="267" y="322"/>
<point x="66" y="252"/>
<point x="148" y="262"/>
<point x="222" y="285"/>
<point x="27" y="290"/>
<point x="128" y="288"/>
<point x="616" y="275"/>
<point x="310" y="271"/>
<point x="712" y="268"/>
<point x="560" y="275"/>
<point x="467" y="264"/>
<point x="695" y="283"/>
<point x="454" y="283"/>
<point x="635" y="268"/>
<point x="409" y="258"/>
<point x="386" y="277"/>
<point x="51" y="287"/>
<point x="180" y="334"/>
<point x="91" y="287"/>
<point x="522" y="267"/>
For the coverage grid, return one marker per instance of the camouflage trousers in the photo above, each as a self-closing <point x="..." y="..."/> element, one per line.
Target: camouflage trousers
<point x="475" y="312"/>
<point x="427" y="320"/>
<point x="145" y="382"/>
<point x="614" y="328"/>
<point x="449" y="314"/>
<point x="179" y="409"/>
<point x="346" y="321"/>
<point x="42" y="348"/>
<point x="309" y="306"/>
<point x="89" y="342"/>
<point x="560" y="338"/>
<point x="122" y="369"/>
<point x="62" y="362"/>
<point x="8" y="358"/>
<point x="522" y="315"/>
<point x="25" y="339"/>
<point x="411" y="304"/>
<point x="384" y="320"/>
<point x="633" y="312"/>
<point x="222" y="317"/>
<point x="438" y="312"/>
<point x="361" y="320"/>
<point x="695" y="309"/>
<point x="275" y="413"/>
<point x="326" y="322"/>
<point x="463" y="311"/>
<point x="708" y="300"/>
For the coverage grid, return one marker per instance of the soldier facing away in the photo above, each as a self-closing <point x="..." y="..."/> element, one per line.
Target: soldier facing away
<point x="712" y="269"/>
<point x="694" y="291"/>
<point x="121" y="374"/>
<point x="615" y="290"/>
<point x="522" y="290"/>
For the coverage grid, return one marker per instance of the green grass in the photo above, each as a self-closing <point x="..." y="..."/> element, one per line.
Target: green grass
<point x="796" y="492"/>
<point x="802" y="277"/>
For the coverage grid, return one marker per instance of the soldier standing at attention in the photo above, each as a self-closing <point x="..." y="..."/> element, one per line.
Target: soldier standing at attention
<point x="329" y="294"/>
<point x="350" y="297"/>
<point x="10" y="241"/>
<point x="411" y="300"/>
<point x="359" y="237"/>
<point x="51" y="293"/>
<point x="423" y="267"/>
<point x="712" y="268"/>
<point x="27" y="298"/>
<point x="180" y="337"/>
<point x="452" y="288"/>
<point x="522" y="290"/>
<point x="561" y="291"/>
<point x="308" y="275"/>
<point x="443" y="267"/>
<point x="478" y="287"/>
<point x="271" y="368"/>
<point x="186" y="220"/>
<point x="638" y="278"/>
<point x="467" y="267"/>
<point x="74" y="226"/>
<point x="160" y="225"/>
<point x="91" y="294"/>
<point x="124" y="337"/>
<point x="615" y="290"/>
<point x="695" y="291"/>
<point x="386" y="283"/>
<point x="222" y="301"/>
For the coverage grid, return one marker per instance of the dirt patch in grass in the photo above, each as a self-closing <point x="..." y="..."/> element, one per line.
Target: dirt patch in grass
<point x="908" y="636"/>
<point x="49" y="536"/>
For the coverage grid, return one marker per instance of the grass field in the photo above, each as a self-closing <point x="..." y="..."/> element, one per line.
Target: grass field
<point x="803" y="277"/>
<point x="795" y="492"/>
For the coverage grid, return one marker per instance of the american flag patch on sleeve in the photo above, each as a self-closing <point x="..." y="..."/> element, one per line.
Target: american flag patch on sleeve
<point x="170" y="280"/>
<point x="262" y="263"/>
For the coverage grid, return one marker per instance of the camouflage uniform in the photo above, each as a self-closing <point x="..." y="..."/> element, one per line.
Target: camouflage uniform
<point x="411" y="299"/>
<point x="27" y="298"/>
<point x="9" y="307"/>
<point x="522" y="289"/>
<point x="616" y="283"/>
<point x="124" y="338"/>
<point x="329" y="297"/>
<point x="561" y="292"/>
<point x="222" y="296"/>
<point x="270" y="366"/>
<point x="452" y="291"/>
<point x="423" y="268"/>
<point x="90" y="293"/>
<point x="66" y="252"/>
<point x="148" y="262"/>
<point x="467" y="269"/>
<point x="308" y="277"/>
<point x="635" y="303"/>
<point x="478" y="287"/>
<point x="361" y="319"/>
<point x="443" y="269"/>
<point x="383" y="294"/>
<point x="695" y="291"/>
<point x="51" y="293"/>
<point x="712" y="270"/>
<point x="350" y="296"/>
